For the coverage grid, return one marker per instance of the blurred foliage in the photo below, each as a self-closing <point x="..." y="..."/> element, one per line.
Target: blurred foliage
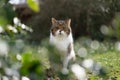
<point x="116" y="27"/>
<point x="22" y="60"/>
<point x="112" y="31"/>
<point x="10" y="26"/>
<point x="6" y="13"/>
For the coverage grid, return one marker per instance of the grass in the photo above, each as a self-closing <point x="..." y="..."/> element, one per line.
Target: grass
<point x="105" y="53"/>
<point x="111" y="62"/>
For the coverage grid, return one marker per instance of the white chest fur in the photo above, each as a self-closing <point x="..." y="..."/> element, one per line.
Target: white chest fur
<point x="60" y="42"/>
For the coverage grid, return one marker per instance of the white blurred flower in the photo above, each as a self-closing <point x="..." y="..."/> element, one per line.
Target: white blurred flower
<point x="5" y="78"/>
<point x="104" y="29"/>
<point x="79" y="72"/>
<point x="16" y="2"/>
<point x="95" y="45"/>
<point x="4" y="49"/>
<point x="88" y="63"/>
<point x="29" y="29"/>
<point x="11" y="72"/>
<point x="12" y="29"/>
<point x="23" y="26"/>
<point x="19" y="57"/>
<point x="25" y="78"/>
<point x="117" y="46"/>
<point x="15" y="78"/>
<point x="82" y="52"/>
<point x="16" y="20"/>
<point x="8" y="71"/>
<point x="15" y="30"/>
<point x="1" y="29"/>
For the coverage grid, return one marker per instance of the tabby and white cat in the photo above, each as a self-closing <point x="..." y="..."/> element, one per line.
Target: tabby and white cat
<point x="61" y="38"/>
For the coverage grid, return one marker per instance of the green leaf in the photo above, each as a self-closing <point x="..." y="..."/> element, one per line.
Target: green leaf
<point x="34" y="5"/>
<point x="3" y="21"/>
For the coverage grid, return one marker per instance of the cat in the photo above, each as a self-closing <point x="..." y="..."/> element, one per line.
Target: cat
<point x="61" y="38"/>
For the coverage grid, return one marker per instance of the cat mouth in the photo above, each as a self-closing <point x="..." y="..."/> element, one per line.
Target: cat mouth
<point x="60" y="34"/>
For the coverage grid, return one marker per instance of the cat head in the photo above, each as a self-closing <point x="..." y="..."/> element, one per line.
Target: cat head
<point x="60" y="27"/>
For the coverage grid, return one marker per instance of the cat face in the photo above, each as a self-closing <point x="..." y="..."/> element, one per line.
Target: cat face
<point x="60" y="27"/>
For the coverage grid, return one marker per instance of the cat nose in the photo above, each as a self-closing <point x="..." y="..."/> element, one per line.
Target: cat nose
<point x="60" y="31"/>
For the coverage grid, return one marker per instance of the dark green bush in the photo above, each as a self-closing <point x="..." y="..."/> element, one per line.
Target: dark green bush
<point x="87" y="16"/>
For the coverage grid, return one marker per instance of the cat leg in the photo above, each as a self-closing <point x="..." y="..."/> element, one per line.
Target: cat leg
<point x="71" y="51"/>
<point x="66" y="61"/>
<point x="65" y="65"/>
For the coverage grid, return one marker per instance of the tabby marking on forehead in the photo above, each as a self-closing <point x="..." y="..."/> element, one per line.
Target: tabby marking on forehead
<point x="61" y="22"/>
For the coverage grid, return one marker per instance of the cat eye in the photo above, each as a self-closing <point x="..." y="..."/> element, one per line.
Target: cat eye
<point x="54" y="29"/>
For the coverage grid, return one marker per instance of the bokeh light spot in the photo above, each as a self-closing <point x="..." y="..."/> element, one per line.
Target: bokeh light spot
<point x="117" y="46"/>
<point x="104" y="30"/>
<point x="79" y="72"/>
<point x="25" y="78"/>
<point x="82" y="52"/>
<point x="4" y="49"/>
<point x="88" y="63"/>
<point x="19" y="57"/>
<point x="95" y="44"/>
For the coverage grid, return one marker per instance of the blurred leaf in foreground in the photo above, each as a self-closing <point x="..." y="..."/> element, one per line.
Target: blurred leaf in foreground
<point x="34" y="5"/>
<point x="6" y="13"/>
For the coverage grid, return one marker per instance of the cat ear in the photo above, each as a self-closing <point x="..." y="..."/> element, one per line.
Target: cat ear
<point x="68" y="21"/>
<point x="53" y="20"/>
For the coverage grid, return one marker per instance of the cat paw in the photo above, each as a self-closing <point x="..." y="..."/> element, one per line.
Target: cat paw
<point x="65" y="71"/>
